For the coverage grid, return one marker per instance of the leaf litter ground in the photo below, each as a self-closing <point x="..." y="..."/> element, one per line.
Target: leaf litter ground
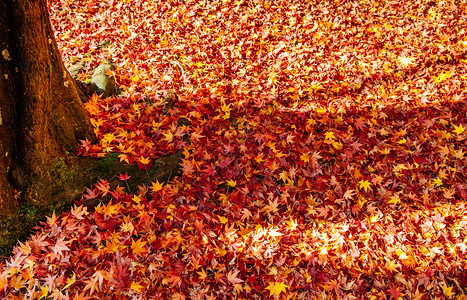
<point x="323" y="153"/>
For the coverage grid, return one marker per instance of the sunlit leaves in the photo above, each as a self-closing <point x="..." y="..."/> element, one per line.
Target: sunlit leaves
<point x="276" y="288"/>
<point x="138" y="246"/>
<point x="442" y="76"/>
<point x="223" y="220"/>
<point x="394" y="200"/>
<point x="437" y="182"/>
<point x="202" y="274"/>
<point x="447" y="290"/>
<point x="406" y="61"/>
<point x="329" y="135"/>
<point x="459" y="129"/>
<point x="231" y="183"/>
<point x="364" y="184"/>
<point x="402" y="141"/>
<point x="317" y="149"/>
<point x="226" y="111"/>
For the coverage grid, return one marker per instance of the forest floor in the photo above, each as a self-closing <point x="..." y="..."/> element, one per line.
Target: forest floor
<point x="323" y="152"/>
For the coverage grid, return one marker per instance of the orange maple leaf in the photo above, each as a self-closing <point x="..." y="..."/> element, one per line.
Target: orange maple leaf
<point x="138" y="246"/>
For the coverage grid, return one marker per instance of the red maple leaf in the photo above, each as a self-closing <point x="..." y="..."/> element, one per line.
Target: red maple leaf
<point x="394" y="292"/>
<point x="124" y="177"/>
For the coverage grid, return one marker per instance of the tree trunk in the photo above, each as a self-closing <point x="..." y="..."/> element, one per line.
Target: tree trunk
<point x="41" y="115"/>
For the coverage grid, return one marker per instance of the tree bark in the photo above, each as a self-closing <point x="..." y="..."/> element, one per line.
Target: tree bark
<point x="7" y="115"/>
<point x="42" y="117"/>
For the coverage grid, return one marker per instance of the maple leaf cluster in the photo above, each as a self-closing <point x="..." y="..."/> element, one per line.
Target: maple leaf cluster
<point x="323" y="153"/>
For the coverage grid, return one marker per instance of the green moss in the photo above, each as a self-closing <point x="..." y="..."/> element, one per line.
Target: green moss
<point x="63" y="173"/>
<point x="20" y="226"/>
<point x="106" y="163"/>
<point x="30" y="212"/>
<point x="153" y="170"/>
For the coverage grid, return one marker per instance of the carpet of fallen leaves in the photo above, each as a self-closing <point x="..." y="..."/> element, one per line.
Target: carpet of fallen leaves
<point x="324" y="153"/>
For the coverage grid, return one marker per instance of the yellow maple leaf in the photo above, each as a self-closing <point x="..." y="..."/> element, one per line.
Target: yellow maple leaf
<point x="402" y="141"/>
<point x="392" y="266"/>
<point x="124" y="157"/>
<point x="135" y="78"/>
<point x="135" y="286"/>
<point x="321" y="110"/>
<point x="136" y="198"/>
<point x="110" y="210"/>
<point x="272" y="79"/>
<point x="329" y="135"/>
<point x="112" y="246"/>
<point x="238" y="288"/>
<point x="442" y="76"/>
<point x="437" y="182"/>
<point x="222" y="219"/>
<point x="259" y="158"/>
<point x="127" y="227"/>
<point x="279" y="154"/>
<point x="275" y="288"/>
<point x="385" y="151"/>
<point x="336" y="145"/>
<point x="202" y="274"/>
<point x="394" y="200"/>
<point x="136" y="107"/>
<point x="305" y="157"/>
<point x="157" y="186"/>
<point x="226" y="109"/>
<point x="231" y="182"/>
<point x="108" y="138"/>
<point x="364" y="184"/>
<point x="374" y="218"/>
<point x="291" y="223"/>
<point x="458" y="129"/>
<point x="44" y="291"/>
<point x="69" y="282"/>
<point x="401" y="254"/>
<point x="447" y="290"/>
<point x="283" y="176"/>
<point x="144" y="160"/>
<point x="168" y="136"/>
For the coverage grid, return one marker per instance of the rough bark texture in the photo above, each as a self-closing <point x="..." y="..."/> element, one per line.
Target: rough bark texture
<point x="50" y="116"/>
<point x="7" y="114"/>
<point x="41" y="114"/>
<point x="42" y="119"/>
